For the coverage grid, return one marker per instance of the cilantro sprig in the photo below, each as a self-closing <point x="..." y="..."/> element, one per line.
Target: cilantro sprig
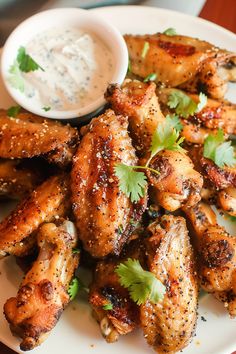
<point x="150" y="77"/>
<point x="141" y="284"/>
<point x="108" y="307"/>
<point x="13" y="111"/>
<point x="23" y="63"/>
<point x="219" y="150"/>
<point x="170" y="32"/>
<point x="75" y="286"/>
<point x="133" y="183"/>
<point x="184" y="105"/>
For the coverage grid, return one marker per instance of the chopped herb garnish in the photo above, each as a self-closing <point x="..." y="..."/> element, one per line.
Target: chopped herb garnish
<point x="170" y="32"/>
<point x="16" y="80"/>
<point x="203" y="319"/>
<point x="46" y="109"/>
<point x="141" y="284"/>
<point x="75" y="286"/>
<point x="108" y="307"/>
<point x="129" y="66"/>
<point x="184" y="105"/>
<point x="219" y="150"/>
<point x="26" y="62"/>
<point x="231" y="218"/>
<point x="13" y="111"/>
<point x="75" y="250"/>
<point x="120" y="229"/>
<point x="145" y="50"/>
<point x="150" y="77"/>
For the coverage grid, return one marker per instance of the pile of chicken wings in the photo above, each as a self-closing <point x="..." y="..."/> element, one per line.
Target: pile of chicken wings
<point x="70" y="198"/>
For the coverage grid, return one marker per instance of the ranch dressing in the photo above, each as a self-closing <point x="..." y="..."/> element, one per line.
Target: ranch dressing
<point x="77" y="67"/>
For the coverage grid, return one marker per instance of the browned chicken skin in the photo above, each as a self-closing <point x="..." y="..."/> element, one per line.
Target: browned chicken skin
<point x="215" y="115"/>
<point x="29" y="136"/>
<point x="177" y="184"/>
<point x="216" y="255"/>
<point x="42" y="296"/>
<point x="227" y="200"/>
<point x="179" y="60"/>
<point x="16" y="182"/>
<point x="169" y="325"/>
<point x="103" y="213"/>
<point x="47" y="202"/>
<point x="138" y="101"/>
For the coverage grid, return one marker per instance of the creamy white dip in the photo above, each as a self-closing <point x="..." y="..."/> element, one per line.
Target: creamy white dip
<point x="77" y="68"/>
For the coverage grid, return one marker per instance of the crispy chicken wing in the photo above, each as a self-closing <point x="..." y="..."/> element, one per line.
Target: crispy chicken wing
<point x="28" y="136"/>
<point x="216" y="255"/>
<point x="16" y="182"/>
<point x="103" y="213"/>
<point x="42" y="296"/>
<point x="138" y="101"/>
<point x="215" y="114"/>
<point x="180" y="60"/>
<point x="169" y="325"/>
<point x="227" y="200"/>
<point x="44" y="204"/>
<point x="177" y="184"/>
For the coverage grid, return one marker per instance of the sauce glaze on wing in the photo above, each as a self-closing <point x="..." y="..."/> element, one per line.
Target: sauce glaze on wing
<point x="103" y="213"/>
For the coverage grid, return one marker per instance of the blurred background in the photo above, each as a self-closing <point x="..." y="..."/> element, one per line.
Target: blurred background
<point x="12" y="12"/>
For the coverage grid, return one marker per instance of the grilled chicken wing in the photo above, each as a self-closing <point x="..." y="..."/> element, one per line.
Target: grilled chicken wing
<point x="216" y="255"/>
<point x="180" y="60"/>
<point x="227" y="200"/>
<point x="103" y="213"/>
<point x="16" y="182"/>
<point x="44" y="204"/>
<point x="169" y="325"/>
<point x="28" y="136"/>
<point x="177" y="184"/>
<point x="42" y="296"/>
<point x="138" y="101"/>
<point x="215" y="115"/>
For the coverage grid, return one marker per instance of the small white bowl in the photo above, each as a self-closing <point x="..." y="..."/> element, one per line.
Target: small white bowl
<point x="66" y="17"/>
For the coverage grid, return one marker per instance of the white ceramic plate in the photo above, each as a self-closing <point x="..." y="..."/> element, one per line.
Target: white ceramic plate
<point x="76" y="331"/>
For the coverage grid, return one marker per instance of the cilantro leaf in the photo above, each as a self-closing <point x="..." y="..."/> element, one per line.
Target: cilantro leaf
<point x="141" y="284"/>
<point x="46" y="109"/>
<point x="232" y="218"/>
<point x="26" y="62"/>
<point x="219" y="150"/>
<point x="184" y="105"/>
<point x="16" y="80"/>
<point x="108" y="307"/>
<point x="129" y="66"/>
<point x="131" y="182"/>
<point x="170" y="32"/>
<point x="150" y="77"/>
<point x="13" y="111"/>
<point x="73" y="288"/>
<point x="174" y="121"/>
<point x="166" y="137"/>
<point x="75" y="250"/>
<point x="145" y="49"/>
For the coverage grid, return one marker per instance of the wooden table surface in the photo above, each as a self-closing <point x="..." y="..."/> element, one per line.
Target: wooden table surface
<point x="222" y="12"/>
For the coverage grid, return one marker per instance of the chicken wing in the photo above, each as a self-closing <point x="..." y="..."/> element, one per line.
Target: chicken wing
<point x="103" y="213"/>
<point x="28" y="136"/>
<point x="177" y="184"/>
<point x="138" y="101"/>
<point x="216" y="255"/>
<point x="42" y="296"/>
<point x="180" y="60"/>
<point x="227" y="200"/>
<point x="44" y="204"/>
<point x="16" y="182"/>
<point x="169" y="325"/>
<point x="215" y="114"/>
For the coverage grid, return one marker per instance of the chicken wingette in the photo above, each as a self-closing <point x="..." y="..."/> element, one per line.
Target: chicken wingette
<point x="27" y="136"/>
<point x="47" y="202"/>
<point x="43" y="295"/>
<point x="177" y="183"/>
<point x="180" y="60"/>
<point x="169" y="325"/>
<point x="216" y="255"/>
<point x="139" y="102"/>
<point x="104" y="215"/>
<point x="16" y="181"/>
